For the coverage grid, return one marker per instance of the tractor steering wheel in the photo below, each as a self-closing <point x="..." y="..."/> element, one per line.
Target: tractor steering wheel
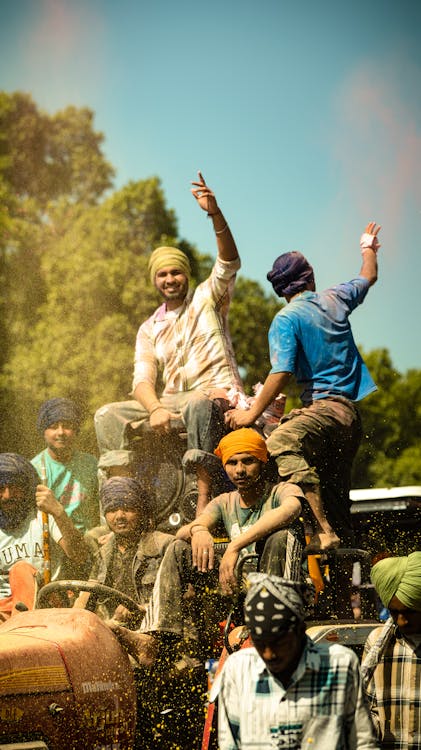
<point x="95" y="590"/>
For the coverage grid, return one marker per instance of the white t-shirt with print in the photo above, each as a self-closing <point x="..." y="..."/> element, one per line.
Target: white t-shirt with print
<point x="26" y="543"/>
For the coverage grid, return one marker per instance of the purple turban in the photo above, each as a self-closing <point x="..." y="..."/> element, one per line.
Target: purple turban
<point x="290" y="274"/>
<point x="118" y="492"/>
<point x="57" y="410"/>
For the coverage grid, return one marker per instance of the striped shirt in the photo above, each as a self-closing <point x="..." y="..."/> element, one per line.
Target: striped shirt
<point x="323" y="707"/>
<point x="192" y="345"/>
<point x="394" y="694"/>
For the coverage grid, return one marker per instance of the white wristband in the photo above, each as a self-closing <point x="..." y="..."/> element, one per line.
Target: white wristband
<point x="369" y="241"/>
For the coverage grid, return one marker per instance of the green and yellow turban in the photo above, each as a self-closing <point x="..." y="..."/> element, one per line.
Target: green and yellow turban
<point x="401" y="577"/>
<point x="168" y="257"/>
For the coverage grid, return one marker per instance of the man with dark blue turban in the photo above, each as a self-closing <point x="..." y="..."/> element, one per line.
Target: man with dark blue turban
<point x="23" y="499"/>
<point x="311" y="338"/>
<point x="71" y="474"/>
<point x="129" y="549"/>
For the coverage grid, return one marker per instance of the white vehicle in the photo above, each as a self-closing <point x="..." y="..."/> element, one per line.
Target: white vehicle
<point x="387" y="519"/>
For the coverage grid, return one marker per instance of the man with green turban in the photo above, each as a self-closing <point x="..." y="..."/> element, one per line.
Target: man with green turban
<point x="392" y="656"/>
<point x="188" y="341"/>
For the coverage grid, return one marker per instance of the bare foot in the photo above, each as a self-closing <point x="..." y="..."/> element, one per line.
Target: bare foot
<point x="142" y="646"/>
<point x="322" y="542"/>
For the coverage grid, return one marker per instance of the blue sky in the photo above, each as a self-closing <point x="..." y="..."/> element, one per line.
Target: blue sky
<point x="305" y="118"/>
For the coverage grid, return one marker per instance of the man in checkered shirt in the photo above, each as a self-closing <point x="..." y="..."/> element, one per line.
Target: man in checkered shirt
<point x="287" y="691"/>
<point x="392" y="656"/>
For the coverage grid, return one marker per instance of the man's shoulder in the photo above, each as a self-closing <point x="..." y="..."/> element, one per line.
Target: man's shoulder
<point x="356" y="287"/>
<point x="240" y="665"/>
<point x="222" y="271"/>
<point x="332" y="653"/>
<point x="37" y="460"/>
<point x="374" y="635"/>
<point x="85" y="459"/>
<point x="224" y="500"/>
<point x="158" y="314"/>
<point x="283" y="489"/>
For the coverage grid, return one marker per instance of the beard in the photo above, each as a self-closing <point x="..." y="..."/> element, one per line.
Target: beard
<point x="12" y="519"/>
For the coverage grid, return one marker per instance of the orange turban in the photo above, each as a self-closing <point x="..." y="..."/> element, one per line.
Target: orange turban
<point x="244" y="440"/>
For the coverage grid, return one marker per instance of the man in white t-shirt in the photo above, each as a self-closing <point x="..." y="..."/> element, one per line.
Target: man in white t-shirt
<point x="23" y="549"/>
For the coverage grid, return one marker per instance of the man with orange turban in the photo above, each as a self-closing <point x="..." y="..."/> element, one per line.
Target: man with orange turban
<point x="257" y="516"/>
<point x="187" y="339"/>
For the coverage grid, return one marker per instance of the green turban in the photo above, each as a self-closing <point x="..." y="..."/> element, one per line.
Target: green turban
<point x="401" y="577"/>
<point x="168" y="257"/>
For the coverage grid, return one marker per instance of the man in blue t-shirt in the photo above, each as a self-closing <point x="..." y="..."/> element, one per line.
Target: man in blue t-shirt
<point x="311" y="338"/>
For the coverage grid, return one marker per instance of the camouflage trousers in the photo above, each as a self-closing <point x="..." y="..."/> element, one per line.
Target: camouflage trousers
<point x="316" y="445"/>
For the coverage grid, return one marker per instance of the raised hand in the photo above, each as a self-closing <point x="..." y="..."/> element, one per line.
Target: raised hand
<point x="205" y="196"/>
<point x="369" y="236"/>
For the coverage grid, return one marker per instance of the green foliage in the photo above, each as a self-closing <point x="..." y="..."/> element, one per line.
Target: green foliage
<point x="392" y="425"/>
<point x="250" y="316"/>
<point x="97" y="292"/>
<point x="45" y="158"/>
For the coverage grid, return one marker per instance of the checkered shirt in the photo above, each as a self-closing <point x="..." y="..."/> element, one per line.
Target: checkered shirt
<point x="323" y="708"/>
<point x="394" y="694"/>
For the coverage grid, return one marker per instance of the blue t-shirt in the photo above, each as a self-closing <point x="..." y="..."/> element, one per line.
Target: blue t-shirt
<point x="312" y="338"/>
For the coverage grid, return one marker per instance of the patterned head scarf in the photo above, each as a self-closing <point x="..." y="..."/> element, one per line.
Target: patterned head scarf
<point x="290" y="274"/>
<point x="274" y="605"/>
<point x="168" y="257"/>
<point x="17" y="471"/>
<point x="401" y="577"/>
<point x="118" y="492"/>
<point x="244" y="440"/>
<point x="57" y="410"/>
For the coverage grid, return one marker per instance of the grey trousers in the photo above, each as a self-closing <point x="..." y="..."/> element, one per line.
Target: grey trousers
<point x="281" y="556"/>
<point x="117" y="423"/>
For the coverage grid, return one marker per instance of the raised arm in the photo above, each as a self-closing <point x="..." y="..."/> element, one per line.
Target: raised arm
<point x="227" y="249"/>
<point x="369" y="246"/>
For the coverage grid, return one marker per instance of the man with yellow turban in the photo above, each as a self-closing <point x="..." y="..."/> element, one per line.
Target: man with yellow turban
<point x="257" y="516"/>
<point x="187" y="338"/>
<point x="392" y="656"/>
